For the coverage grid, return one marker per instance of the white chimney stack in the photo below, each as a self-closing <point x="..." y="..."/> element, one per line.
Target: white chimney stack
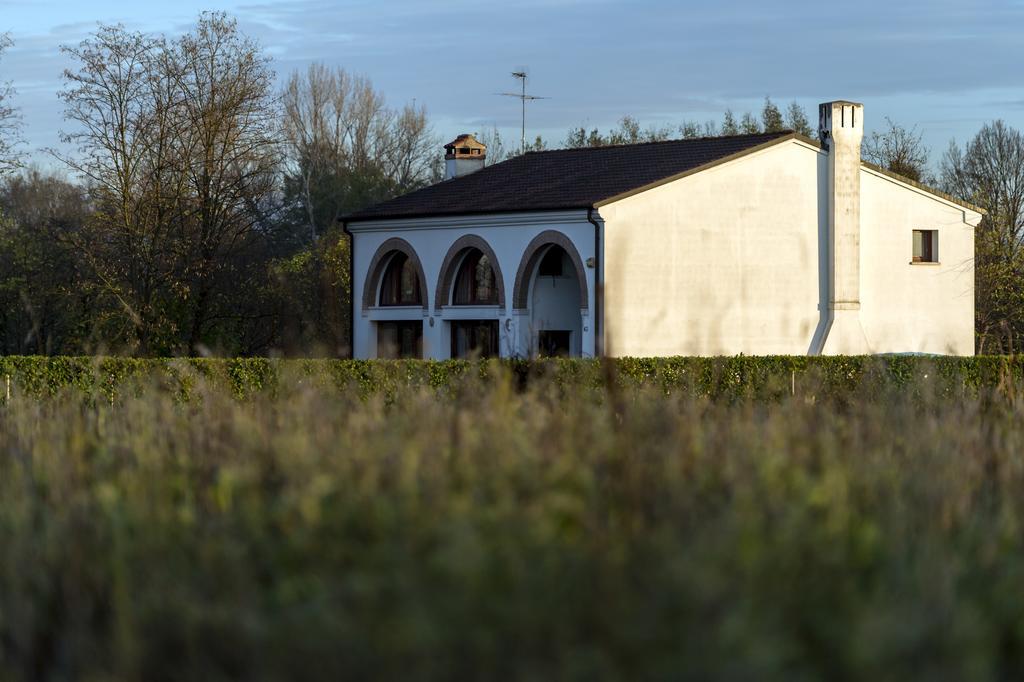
<point x="841" y="127"/>
<point x="463" y="155"/>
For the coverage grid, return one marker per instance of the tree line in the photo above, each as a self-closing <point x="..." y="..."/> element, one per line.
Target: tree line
<point x="203" y="214"/>
<point x="197" y="212"/>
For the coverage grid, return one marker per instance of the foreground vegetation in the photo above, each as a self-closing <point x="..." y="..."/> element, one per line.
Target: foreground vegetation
<point x="489" y="528"/>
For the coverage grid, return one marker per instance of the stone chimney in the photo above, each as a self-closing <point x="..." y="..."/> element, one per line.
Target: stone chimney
<point x="841" y="127"/>
<point x="463" y="155"/>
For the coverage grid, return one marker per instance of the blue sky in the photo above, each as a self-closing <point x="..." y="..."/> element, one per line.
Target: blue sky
<point x="946" y="66"/>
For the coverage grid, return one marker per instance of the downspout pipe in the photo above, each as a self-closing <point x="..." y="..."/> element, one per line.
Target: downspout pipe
<point x="598" y="297"/>
<point x="351" y="288"/>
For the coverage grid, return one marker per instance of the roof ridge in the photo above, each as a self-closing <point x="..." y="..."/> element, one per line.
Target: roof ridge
<point x="703" y="138"/>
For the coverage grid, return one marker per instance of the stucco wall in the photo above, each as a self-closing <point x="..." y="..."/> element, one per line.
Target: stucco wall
<point x="914" y="308"/>
<point x="725" y="261"/>
<point x="431" y="238"/>
<point x="734" y="259"/>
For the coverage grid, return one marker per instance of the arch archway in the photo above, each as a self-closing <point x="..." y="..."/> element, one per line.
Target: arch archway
<point x="379" y="263"/>
<point x="449" y="269"/>
<point x="535" y="250"/>
<point x="551" y="288"/>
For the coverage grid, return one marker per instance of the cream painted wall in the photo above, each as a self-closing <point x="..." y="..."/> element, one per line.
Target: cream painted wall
<point x="721" y="262"/>
<point x="915" y="308"/>
<point x="734" y="259"/>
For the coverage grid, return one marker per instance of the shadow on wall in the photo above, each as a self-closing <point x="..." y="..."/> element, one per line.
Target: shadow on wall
<point x="824" y="319"/>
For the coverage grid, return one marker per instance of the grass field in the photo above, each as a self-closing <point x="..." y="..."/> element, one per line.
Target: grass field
<point x="492" y="532"/>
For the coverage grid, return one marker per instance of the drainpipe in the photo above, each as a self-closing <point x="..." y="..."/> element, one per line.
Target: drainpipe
<point x="351" y="289"/>
<point x="598" y="299"/>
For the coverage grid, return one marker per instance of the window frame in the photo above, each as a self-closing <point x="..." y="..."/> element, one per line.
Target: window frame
<point x="928" y="253"/>
<point x="493" y="332"/>
<point x="416" y="352"/>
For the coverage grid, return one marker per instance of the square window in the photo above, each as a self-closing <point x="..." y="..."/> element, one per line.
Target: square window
<point x="400" y="339"/>
<point x="926" y="246"/>
<point x="475" y="338"/>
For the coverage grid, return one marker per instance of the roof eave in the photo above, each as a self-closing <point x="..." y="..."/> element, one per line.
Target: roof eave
<point x="450" y="214"/>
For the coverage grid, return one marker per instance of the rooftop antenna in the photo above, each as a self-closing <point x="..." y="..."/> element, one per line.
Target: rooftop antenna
<point x="521" y="76"/>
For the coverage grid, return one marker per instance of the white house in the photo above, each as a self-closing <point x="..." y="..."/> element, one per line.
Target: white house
<point x="756" y="244"/>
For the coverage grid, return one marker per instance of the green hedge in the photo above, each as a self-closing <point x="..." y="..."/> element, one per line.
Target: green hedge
<point x="765" y="377"/>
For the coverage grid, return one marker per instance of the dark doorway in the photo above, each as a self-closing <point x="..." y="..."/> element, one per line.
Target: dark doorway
<point x="400" y="339"/>
<point x="554" y="342"/>
<point x="475" y="338"/>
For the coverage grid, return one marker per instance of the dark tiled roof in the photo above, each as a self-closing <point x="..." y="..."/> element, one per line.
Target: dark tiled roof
<point x="564" y="178"/>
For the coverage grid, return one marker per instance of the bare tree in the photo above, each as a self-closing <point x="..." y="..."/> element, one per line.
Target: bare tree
<point x="111" y="102"/>
<point x="176" y="141"/>
<point x="346" y="148"/>
<point x="496" y="149"/>
<point x="10" y="122"/>
<point x="989" y="171"/>
<point x="227" y="151"/>
<point x="898" y="149"/>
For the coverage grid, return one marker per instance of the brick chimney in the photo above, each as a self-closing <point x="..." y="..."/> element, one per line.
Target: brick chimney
<point x="841" y="128"/>
<point x="463" y="155"/>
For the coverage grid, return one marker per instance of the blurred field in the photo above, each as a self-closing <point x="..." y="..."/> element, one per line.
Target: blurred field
<point x="495" y="532"/>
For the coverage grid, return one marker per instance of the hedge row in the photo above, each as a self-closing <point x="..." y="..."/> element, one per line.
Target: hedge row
<point x="765" y="377"/>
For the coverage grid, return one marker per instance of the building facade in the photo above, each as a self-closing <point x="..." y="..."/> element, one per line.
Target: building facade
<point x="755" y="244"/>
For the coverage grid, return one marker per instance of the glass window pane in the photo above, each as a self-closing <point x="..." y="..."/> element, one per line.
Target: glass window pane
<point x="474" y="283"/>
<point x="400" y="284"/>
<point x="475" y="338"/>
<point x="400" y="339"/>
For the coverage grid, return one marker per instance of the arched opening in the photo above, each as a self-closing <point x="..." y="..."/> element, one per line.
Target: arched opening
<point x="395" y="283"/>
<point x="551" y="289"/>
<point x="555" y="319"/>
<point x="400" y="284"/>
<point x="475" y="283"/>
<point x="396" y="263"/>
<point x="467" y="250"/>
<point x="471" y="279"/>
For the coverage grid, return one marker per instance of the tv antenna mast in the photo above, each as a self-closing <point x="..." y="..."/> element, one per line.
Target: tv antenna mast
<point x="521" y="76"/>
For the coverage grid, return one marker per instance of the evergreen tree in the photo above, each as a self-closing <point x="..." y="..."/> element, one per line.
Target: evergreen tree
<point x="729" y="125"/>
<point x="749" y="124"/>
<point x="771" y="117"/>
<point x="691" y="129"/>
<point x="796" y="120"/>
